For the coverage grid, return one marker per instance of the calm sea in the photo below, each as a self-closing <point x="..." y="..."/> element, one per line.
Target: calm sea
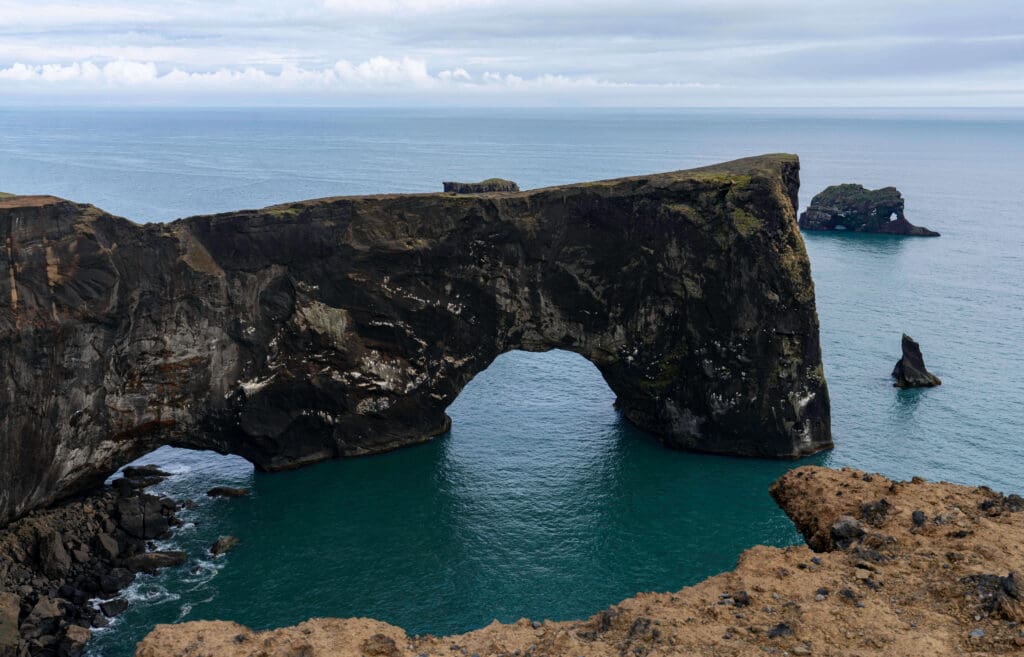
<point x="542" y="502"/>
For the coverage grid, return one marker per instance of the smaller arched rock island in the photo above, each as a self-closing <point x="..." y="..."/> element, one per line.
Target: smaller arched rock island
<point x="346" y="326"/>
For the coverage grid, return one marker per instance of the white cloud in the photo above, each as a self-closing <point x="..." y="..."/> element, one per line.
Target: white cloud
<point x="725" y="52"/>
<point x="392" y="7"/>
<point x="376" y="74"/>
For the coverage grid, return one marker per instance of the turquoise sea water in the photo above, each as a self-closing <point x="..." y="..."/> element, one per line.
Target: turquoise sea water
<point x="542" y="502"/>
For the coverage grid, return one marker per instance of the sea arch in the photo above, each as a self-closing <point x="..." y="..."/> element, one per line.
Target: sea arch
<point x="346" y="326"/>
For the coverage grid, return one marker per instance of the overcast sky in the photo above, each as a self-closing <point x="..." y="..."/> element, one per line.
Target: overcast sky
<point x="788" y="53"/>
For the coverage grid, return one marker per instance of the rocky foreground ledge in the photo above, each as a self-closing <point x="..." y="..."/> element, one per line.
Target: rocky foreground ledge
<point x="890" y="568"/>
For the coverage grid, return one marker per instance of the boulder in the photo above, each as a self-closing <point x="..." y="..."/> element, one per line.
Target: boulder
<point x="144" y="516"/>
<point x="53" y="556"/>
<point x="860" y="210"/>
<point x="115" y="580"/>
<point x="114" y="607"/>
<point x="108" y="546"/>
<point x="10" y="607"/>
<point x="74" y="640"/>
<point x="150" y="562"/>
<point x="910" y="371"/>
<point x="43" y="620"/>
<point x="844" y="531"/>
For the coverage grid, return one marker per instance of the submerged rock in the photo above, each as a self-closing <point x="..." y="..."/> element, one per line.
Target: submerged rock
<point x="224" y="544"/>
<point x="484" y="186"/>
<point x="347" y="326"/>
<point x="855" y="208"/>
<point x="150" y="562"/>
<point x="910" y="371"/>
<point x="227" y="491"/>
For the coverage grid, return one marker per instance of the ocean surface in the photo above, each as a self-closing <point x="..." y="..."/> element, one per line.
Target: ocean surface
<point x="542" y="502"/>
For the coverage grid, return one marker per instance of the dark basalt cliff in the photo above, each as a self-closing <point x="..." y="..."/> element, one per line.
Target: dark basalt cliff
<point x="854" y="208"/>
<point x="346" y="326"/>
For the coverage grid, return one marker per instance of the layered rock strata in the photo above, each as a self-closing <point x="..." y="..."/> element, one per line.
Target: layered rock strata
<point x="890" y="569"/>
<point x="855" y="208"/>
<point x="346" y="326"/>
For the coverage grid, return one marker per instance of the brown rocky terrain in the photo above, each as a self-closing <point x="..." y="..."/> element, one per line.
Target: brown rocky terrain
<point x="890" y="569"/>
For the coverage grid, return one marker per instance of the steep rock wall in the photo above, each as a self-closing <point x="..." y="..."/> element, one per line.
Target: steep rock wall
<point x="346" y="326"/>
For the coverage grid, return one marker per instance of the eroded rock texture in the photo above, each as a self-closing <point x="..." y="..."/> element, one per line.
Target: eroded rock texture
<point x="854" y="208"/>
<point x="346" y="326"/>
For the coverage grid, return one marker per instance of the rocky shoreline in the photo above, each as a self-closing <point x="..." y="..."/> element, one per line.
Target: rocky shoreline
<point x="61" y="569"/>
<point x="889" y="568"/>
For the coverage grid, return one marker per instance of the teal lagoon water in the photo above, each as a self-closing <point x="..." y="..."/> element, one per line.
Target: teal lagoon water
<point x="542" y="501"/>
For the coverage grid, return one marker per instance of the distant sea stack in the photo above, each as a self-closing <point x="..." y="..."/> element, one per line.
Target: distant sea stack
<point x="482" y="187"/>
<point x="860" y="210"/>
<point x="910" y="371"/>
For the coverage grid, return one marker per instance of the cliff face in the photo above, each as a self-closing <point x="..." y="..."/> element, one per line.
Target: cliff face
<point x="901" y="569"/>
<point x="854" y="208"/>
<point x="346" y="326"/>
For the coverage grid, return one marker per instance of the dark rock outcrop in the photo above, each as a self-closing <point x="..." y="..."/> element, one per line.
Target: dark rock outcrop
<point x="56" y="563"/>
<point x="910" y="371"/>
<point x="346" y="326"/>
<point x="224" y="544"/>
<point x="854" y="208"/>
<point x="482" y="187"/>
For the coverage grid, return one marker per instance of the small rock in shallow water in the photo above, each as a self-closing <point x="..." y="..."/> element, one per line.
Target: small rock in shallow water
<point x="226" y="491"/>
<point x="114" y="607"/>
<point x="150" y="562"/>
